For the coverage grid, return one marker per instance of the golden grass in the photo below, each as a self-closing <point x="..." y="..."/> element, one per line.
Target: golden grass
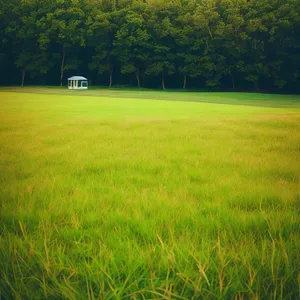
<point x="108" y="198"/>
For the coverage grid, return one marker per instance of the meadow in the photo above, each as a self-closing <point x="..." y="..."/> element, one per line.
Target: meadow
<point x="110" y="194"/>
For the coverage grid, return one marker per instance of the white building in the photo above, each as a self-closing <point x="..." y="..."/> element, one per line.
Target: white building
<point x="77" y="83"/>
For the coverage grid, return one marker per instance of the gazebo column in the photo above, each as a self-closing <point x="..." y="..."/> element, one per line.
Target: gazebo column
<point x="77" y="83"/>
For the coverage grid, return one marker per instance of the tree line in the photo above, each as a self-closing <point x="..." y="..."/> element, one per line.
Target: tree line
<point x="224" y="44"/>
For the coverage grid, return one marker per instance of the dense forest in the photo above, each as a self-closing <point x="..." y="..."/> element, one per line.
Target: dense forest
<point x="199" y="44"/>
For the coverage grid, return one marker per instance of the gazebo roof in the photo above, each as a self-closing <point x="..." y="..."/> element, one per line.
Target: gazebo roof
<point x="77" y="78"/>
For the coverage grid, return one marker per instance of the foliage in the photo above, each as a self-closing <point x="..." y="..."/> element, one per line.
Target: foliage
<point x="215" y="43"/>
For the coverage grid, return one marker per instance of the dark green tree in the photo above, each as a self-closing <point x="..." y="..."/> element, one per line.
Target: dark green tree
<point x="132" y="45"/>
<point x="224" y="43"/>
<point x="101" y="37"/>
<point x="63" y="32"/>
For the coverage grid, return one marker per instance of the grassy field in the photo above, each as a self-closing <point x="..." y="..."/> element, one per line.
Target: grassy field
<point x="113" y="195"/>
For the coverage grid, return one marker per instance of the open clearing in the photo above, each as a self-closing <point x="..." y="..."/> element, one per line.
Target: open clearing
<point x="110" y="195"/>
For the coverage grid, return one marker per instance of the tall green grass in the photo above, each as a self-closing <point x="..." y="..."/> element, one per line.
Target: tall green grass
<point x="111" y="197"/>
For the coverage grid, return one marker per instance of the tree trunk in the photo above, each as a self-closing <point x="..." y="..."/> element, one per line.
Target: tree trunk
<point x="23" y="77"/>
<point x="137" y="74"/>
<point x="62" y="68"/>
<point x="184" y="81"/>
<point x="233" y="81"/>
<point x="163" y="81"/>
<point x="110" y="79"/>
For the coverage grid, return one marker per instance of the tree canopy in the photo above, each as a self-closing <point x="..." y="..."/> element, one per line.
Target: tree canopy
<point x="221" y="44"/>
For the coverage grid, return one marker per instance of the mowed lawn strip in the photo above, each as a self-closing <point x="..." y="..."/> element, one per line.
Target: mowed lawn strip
<point x="249" y="99"/>
<point x="111" y="197"/>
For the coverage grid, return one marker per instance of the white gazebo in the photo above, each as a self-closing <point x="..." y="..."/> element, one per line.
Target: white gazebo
<point x="77" y="83"/>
